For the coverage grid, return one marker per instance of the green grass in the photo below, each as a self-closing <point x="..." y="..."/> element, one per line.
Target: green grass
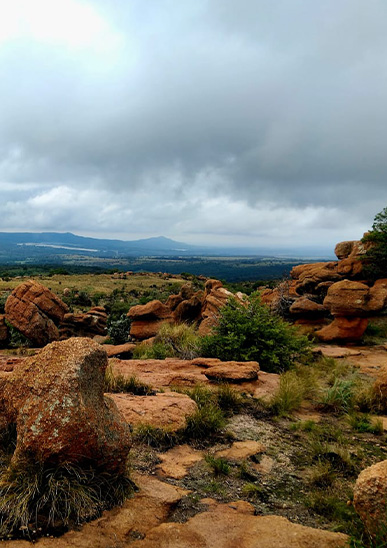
<point x="132" y="385"/>
<point x="291" y="393"/>
<point x="205" y="423"/>
<point x="338" y="398"/>
<point x="37" y="499"/>
<point x="153" y="436"/>
<point x="172" y="341"/>
<point x="362" y="422"/>
<point x="219" y="466"/>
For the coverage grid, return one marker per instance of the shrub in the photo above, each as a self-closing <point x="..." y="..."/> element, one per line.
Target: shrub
<point x="339" y="398"/>
<point x="361" y="422"/>
<point x="153" y="436"/>
<point x="291" y="393"/>
<point x="251" y="332"/>
<point x="204" y="423"/>
<point x="118" y="330"/>
<point x="375" y="258"/>
<point x="172" y="341"/>
<point x="132" y="385"/>
<point x="219" y="466"/>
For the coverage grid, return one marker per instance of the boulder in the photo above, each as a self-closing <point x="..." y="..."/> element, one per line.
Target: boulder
<point x="36" y="312"/>
<point x="233" y="372"/>
<point x="145" y="329"/>
<point x="343" y="329"/>
<point x="347" y="298"/>
<point x="122" y="351"/>
<point x="378" y="296"/>
<point x="370" y="498"/>
<point x="153" y="310"/>
<point x="3" y="331"/>
<point x="344" y="249"/>
<point x="165" y="410"/>
<point x="309" y="276"/>
<point x="173" y="301"/>
<point x="89" y="324"/>
<point x="56" y="400"/>
<point x="306" y="307"/>
<point x="189" y="310"/>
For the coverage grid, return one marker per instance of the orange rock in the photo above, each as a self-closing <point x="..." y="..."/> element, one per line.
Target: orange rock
<point x="56" y="400"/>
<point x="370" y="498"/>
<point x="189" y="310"/>
<point x="145" y="329"/>
<point x="309" y="276"/>
<point x="89" y="324"/>
<point x="347" y="298"/>
<point x="176" y="462"/>
<point x="154" y="309"/>
<point x="120" y="350"/>
<point x="343" y="329"/>
<point x="234" y="372"/>
<point x="173" y="301"/>
<point x="378" y="296"/>
<point x="35" y="311"/>
<point x="165" y="410"/>
<point x="241" y="450"/>
<point x="305" y="307"/>
<point x="344" y="249"/>
<point x="234" y="524"/>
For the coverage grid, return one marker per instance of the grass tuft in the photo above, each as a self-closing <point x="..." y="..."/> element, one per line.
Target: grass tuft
<point x="219" y="466"/>
<point x="132" y="385"/>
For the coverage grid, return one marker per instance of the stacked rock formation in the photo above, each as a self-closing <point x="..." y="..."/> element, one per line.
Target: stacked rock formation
<point x="36" y="312"/>
<point x="332" y="299"/>
<point x="89" y="324"/>
<point x="187" y="306"/>
<point x="56" y="399"/>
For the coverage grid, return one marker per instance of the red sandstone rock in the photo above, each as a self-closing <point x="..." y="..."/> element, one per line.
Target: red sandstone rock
<point x="189" y="310"/>
<point x="145" y="329"/>
<point x="233" y="372"/>
<point x="343" y="329"/>
<point x="173" y="301"/>
<point x="370" y="498"/>
<point x="56" y="399"/>
<point x="165" y="410"/>
<point x="309" y="276"/>
<point x="120" y="350"/>
<point x="176" y="462"/>
<point x="35" y="311"/>
<point x="347" y="298"/>
<point x="89" y="324"/>
<point x="378" y="296"/>
<point x="344" y="249"/>
<point x="305" y="307"/>
<point x="153" y="309"/>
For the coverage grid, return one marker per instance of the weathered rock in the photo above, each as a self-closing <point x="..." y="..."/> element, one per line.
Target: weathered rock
<point x="370" y="498"/>
<point x="147" y="319"/>
<point x="145" y="329"/>
<point x="35" y="311"/>
<point x="3" y="332"/>
<point x="187" y="291"/>
<point x="89" y="324"/>
<point x="344" y="249"/>
<point x="309" y="276"/>
<point x="173" y="301"/>
<point x="176" y="462"/>
<point x="347" y="298"/>
<point x="56" y="400"/>
<point x="189" y="310"/>
<point x="120" y="350"/>
<point x="378" y="296"/>
<point x="241" y="450"/>
<point x="343" y="329"/>
<point x="206" y="362"/>
<point x="152" y="310"/>
<point x="335" y="352"/>
<point x="233" y="372"/>
<point x="306" y="307"/>
<point x="233" y="524"/>
<point x="166" y="410"/>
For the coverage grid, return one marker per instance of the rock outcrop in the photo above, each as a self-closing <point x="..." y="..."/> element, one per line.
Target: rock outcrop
<point x="188" y="306"/>
<point x="36" y="312"/>
<point x="88" y="324"/>
<point x="56" y="400"/>
<point x="331" y="299"/>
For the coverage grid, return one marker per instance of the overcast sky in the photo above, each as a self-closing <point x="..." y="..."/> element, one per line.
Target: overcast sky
<point x="249" y="122"/>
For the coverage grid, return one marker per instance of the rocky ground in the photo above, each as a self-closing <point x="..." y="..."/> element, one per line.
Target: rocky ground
<point x="285" y="478"/>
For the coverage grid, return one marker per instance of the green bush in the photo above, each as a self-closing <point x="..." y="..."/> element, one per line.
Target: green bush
<point x="172" y="340"/>
<point x="375" y="259"/>
<point x="251" y="332"/>
<point x="118" y="330"/>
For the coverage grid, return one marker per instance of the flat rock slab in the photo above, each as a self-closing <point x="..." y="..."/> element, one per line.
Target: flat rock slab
<point x="165" y="410"/>
<point x="228" y="525"/>
<point x="336" y="351"/>
<point x="176" y="462"/>
<point x="233" y="372"/>
<point x="10" y="363"/>
<point x="119" y="349"/>
<point x="267" y="386"/>
<point x="241" y="450"/>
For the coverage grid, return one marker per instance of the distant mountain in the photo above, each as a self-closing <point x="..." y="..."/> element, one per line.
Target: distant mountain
<point x="46" y="247"/>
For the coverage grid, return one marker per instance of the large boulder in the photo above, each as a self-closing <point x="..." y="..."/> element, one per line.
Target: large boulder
<point x="370" y="498"/>
<point x="343" y="329"/>
<point x="3" y="331"/>
<point x="56" y="398"/>
<point x="190" y="309"/>
<point x="87" y="324"/>
<point x="215" y="297"/>
<point x="309" y="276"/>
<point x="307" y="308"/>
<point x="36" y="312"/>
<point x="347" y="298"/>
<point x="148" y="318"/>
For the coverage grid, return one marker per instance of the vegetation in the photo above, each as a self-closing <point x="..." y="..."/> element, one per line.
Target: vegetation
<point x="132" y="385"/>
<point x="375" y="258"/>
<point x="251" y="332"/>
<point x="172" y="340"/>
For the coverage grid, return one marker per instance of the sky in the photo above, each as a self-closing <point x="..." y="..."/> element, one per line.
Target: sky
<point x="256" y="123"/>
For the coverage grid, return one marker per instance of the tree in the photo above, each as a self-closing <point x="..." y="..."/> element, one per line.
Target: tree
<point x="375" y="258"/>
